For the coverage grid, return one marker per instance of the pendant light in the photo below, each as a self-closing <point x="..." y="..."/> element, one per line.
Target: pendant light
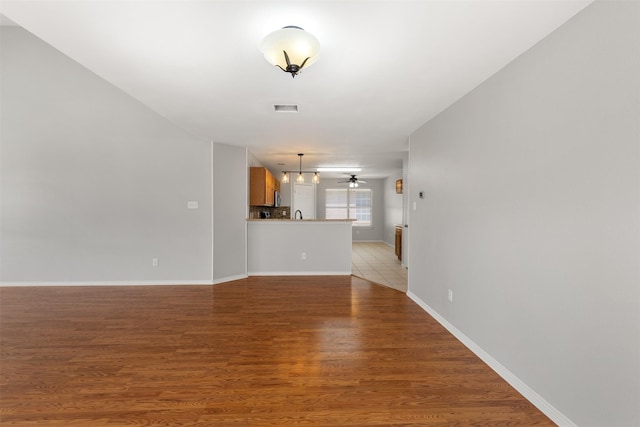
<point x="300" y="178"/>
<point x="300" y="172"/>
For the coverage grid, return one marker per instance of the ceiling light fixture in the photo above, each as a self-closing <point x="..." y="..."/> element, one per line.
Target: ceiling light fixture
<point x="300" y="178"/>
<point x="353" y="182"/>
<point x="300" y="172"/>
<point x="290" y="49"/>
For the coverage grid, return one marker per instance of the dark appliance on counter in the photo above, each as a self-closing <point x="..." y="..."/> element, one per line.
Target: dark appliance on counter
<point x="265" y="214"/>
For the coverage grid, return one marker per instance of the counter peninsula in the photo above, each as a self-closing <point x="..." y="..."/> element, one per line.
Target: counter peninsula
<point x="299" y="247"/>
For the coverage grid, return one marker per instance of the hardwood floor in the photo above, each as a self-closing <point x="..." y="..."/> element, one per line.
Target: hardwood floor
<point x="264" y="351"/>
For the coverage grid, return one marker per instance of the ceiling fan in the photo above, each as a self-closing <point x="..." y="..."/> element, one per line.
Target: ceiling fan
<point x="353" y="181"/>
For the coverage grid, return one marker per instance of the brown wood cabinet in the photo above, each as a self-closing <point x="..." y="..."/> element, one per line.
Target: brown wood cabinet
<point x="399" y="242"/>
<point x="262" y="185"/>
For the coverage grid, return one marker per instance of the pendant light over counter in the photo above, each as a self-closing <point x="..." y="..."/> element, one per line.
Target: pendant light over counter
<point x="300" y="176"/>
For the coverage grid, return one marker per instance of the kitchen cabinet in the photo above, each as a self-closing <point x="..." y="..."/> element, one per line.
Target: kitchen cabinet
<point x="399" y="242"/>
<point x="262" y="185"/>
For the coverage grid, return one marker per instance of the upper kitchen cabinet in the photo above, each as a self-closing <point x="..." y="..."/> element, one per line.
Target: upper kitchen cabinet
<point x="262" y="187"/>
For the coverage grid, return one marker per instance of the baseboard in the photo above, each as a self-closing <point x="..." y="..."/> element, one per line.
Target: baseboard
<point x="300" y="273"/>
<point x="181" y="282"/>
<point x="113" y="283"/>
<point x="529" y="394"/>
<point x="229" y="279"/>
<point x="391" y="245"/>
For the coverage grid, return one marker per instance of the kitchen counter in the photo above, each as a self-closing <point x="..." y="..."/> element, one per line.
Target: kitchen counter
<point x="296" y="220"/>
<point x="298" y="247"/>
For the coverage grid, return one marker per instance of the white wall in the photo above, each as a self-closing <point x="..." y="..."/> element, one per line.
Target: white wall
<point x="363" y="234"/>
<point x="392" y="214"/>
<point x="230" y="206"/>
<point x="94" y="184"/>
<point x="532" y="217"/>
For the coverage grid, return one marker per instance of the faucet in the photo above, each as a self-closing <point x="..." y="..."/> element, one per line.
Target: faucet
<point x="295" y="215"/>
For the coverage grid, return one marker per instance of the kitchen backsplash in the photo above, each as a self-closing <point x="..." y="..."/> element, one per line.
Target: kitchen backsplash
<point x="279" y="212"/>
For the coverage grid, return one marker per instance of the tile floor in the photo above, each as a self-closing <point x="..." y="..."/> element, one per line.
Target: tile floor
<point x="376" y="261"/>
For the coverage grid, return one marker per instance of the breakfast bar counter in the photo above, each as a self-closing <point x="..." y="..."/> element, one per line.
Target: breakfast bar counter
<point x="299" y="247"/>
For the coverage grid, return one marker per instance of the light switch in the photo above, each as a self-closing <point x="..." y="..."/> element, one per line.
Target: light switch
<point x="192" y="205"/>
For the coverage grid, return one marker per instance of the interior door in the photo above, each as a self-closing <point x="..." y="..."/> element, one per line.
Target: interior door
<point x="304" y="199"/>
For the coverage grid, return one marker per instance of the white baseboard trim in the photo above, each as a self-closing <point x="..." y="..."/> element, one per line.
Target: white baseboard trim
<point x="113" y="283"/>
<point x="529" y="394"/>
<point x="178" y="283"/>
<point x="391" y="245"/>
<point x="300" y="273"/>
<point x="229" y="279"/>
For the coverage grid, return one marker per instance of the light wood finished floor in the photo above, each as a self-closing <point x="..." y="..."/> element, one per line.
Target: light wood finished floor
<point x="377" y="261"/>
<point x="264" y="351"/>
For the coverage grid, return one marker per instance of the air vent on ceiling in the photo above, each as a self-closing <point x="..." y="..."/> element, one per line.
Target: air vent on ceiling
<point x="285" y="108"/>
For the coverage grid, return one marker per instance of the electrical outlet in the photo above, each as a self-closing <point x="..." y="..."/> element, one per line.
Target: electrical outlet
<point x="304" y="256"/>
<point x="284" y="213"/>
<point x="155" y="262"/>
<point x="450" y="296"/>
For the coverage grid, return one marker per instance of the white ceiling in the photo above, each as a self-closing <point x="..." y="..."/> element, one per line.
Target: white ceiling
<point x="385" y="67"/>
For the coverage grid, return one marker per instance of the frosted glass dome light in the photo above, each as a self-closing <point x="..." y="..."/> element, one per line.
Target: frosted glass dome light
<point x="290" y="49"/>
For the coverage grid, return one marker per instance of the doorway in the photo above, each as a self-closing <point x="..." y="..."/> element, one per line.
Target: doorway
<point x="304" y="200"/>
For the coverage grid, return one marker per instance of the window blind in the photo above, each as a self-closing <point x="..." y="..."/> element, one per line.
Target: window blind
<point x="343" y="203"/>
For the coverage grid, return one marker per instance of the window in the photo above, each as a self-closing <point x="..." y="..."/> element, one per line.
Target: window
<point x="349" y="203"/>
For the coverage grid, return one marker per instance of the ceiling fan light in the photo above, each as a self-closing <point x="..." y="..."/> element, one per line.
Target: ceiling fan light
<point x="301" y="47"/>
